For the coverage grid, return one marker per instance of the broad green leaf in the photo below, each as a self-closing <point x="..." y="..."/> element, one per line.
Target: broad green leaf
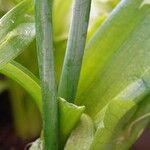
<point x="117" y="55"/>
<point x="82" y="136"/>
<point x="16" y="31"/>
<point x="25" y="78"/>
<point x="69" y="116"/>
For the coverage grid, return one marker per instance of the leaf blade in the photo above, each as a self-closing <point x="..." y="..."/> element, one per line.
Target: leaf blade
<point x="118" y="57"/>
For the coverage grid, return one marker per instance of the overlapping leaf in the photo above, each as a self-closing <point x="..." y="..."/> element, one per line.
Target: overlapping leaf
<point x="117" y="55"/>
<point x="112" y="119"/>
<point x="114" y="67"/>
<point x="16" y="31"/>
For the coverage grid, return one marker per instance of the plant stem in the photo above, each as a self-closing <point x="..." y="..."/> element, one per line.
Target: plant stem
<point x="75" y="49"/>
<point x="43" y="9"/>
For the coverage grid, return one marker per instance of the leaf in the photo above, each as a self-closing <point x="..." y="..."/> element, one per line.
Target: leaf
<point x="69" y="115"/>
<point x="112" y="55"/>
<point x="112" y="119"/>
<point x="81" y="137"/>
<point x="25" y="78"/>
<point x="16" y="32"/>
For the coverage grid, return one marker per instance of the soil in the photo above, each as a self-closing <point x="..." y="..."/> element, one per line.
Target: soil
<point x="10" y="141"/>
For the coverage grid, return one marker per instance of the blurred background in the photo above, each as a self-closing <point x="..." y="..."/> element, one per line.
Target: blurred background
<point x="20" y="120"/>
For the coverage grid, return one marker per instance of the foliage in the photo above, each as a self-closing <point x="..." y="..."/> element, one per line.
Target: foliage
<point x="111" y="105"/>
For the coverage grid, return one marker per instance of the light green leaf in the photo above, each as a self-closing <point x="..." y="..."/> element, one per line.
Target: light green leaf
<point x="112" y="119"/>
<point x="117" y="55"/>
<point x="82" y="136"/>
<point x="69" y="115"/>
<point x="16" y="31"/>
<point x="25" y="78"/>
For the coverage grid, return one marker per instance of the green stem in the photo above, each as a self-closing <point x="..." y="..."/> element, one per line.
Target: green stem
<point x="75" y="49"/>
<point x="43" y="10"/>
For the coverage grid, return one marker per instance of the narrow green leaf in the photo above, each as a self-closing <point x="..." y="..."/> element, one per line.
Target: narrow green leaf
<point x="82" y="136"/>
<point x="44" y="38"/>
<point x="15" y="42"/>
<point x="25" y="78"/>
<point x="75" y="49"/>
<point x="16" y="32"/>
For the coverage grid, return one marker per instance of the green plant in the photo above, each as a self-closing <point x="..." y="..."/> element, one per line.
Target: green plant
<point x="111" y="100"/>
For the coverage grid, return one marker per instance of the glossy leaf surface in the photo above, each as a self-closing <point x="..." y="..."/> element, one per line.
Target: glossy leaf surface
<point x="16" y="31"/>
